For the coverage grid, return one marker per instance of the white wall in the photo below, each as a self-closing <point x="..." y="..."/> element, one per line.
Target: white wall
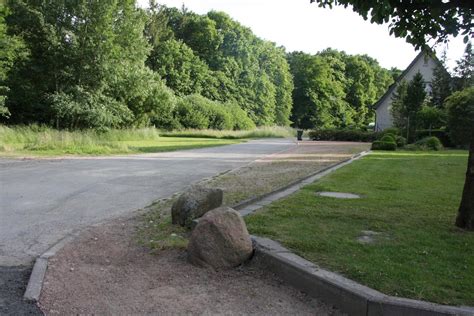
<point x="425" y="66"/>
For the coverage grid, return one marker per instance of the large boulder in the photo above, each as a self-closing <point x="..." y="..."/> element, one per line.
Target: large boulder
<point x="194" y="203"/>
<point x="220" y="240"/>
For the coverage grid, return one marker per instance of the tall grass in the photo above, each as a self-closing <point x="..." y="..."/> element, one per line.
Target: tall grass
<point x="260" y="132"/>
<point x="41" y="138"/>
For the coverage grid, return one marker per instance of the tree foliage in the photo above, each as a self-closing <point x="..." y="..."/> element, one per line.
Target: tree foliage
<point x="416" y="21"/>
<point x="407" y="103"/>
<point x="464" y="70"/>
<point x="11" y="48"/>
<point x="217" y="57"/>
<point x="440" y="84"/>
<point x="333" y="89"/>
<point x="107" y="64"/>
<point x="460" y="107"/>
<point x="80" y="52"/>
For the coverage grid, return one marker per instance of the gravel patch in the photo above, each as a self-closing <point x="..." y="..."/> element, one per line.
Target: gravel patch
<point x="106" y="272"/>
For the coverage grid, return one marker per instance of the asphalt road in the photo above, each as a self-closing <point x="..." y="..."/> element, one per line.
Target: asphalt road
<point x="42" y="200"/>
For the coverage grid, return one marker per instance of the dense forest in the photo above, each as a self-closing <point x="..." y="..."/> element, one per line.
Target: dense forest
<point x="110" y="64"/>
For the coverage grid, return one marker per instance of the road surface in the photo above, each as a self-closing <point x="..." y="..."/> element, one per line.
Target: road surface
<point x="43" y="200"/>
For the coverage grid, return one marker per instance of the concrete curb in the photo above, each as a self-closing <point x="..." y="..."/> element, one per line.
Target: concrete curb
<point x="35" y="283"/>
<point x="347" y="295"/>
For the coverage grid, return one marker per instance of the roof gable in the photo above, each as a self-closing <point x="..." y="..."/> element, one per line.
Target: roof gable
<point x="391" y="89"/>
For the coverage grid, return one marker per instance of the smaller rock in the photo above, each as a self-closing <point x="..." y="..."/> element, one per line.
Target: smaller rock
<point x="220" y="240"/>
<point x="194" y="203"/>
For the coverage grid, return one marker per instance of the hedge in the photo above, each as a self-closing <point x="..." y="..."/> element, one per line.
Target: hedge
<point x="382" y="145"/>
<point x="343" y="135"/>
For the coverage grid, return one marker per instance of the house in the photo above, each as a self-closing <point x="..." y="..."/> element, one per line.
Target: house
<point x="424" y="63"/>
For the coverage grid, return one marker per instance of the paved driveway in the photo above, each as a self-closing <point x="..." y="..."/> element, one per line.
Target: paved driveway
<point x="43" y="200"/>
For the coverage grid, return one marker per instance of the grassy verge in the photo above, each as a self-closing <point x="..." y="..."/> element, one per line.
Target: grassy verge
<point x="410" y="200"/>
<point x="255" y="179"/>
<point x="260" y="132"/>
<point x="40" y="141"/>
<point x="274" y="172"/>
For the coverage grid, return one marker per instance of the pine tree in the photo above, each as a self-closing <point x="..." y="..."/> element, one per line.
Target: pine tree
<point x="398" y="110"/>
<point x="465" y="69"/>
<point x="441" y="84"/>
<point x="413" y="101"/>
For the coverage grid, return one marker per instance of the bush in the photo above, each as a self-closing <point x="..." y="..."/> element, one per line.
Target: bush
<point x="197" y="112"/>
<point x="441" y="134"/>
<point x="240" y="118"/>
<point x="342" y="135"/>
<point x="383" y="145"/>
<point x="392" y="130"/>
<point x="401" y="141"/>
<point x="388" y="138"/>
<point x="190" y="116"/>
<point x="430" y="143"/>
<point x="460" y="107"/>
<point x="79" y="108"/>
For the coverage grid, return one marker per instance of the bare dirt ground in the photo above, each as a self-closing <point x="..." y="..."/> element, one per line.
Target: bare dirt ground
<point x="277" y="170"/>
<point x="105" y="272"/>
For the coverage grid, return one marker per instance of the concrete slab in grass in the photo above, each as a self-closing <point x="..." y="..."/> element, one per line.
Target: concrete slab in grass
<point x="339" y="195"/>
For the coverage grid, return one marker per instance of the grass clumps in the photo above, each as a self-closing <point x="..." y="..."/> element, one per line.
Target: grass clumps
<point x="43" y="141"/>
<point x="157" y="232"/>
<point x="417" y="253"/>
<point x="259" y="132"/>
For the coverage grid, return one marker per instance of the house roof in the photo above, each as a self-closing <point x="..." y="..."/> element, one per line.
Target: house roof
<point x="402" y="75"/>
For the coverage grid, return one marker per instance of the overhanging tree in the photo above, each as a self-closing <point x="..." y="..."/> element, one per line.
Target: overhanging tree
<point x="419" y="22"/>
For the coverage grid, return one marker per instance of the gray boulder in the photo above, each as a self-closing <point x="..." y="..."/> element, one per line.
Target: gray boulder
<point x="194" y="203"/>
<point x="220" y="240"/>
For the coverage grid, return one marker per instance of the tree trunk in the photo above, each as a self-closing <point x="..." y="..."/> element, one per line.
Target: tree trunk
<point x="465" y="217"/>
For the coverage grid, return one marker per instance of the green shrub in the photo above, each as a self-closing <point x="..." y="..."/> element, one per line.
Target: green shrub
<point x="197" y="112"/>
<point x="391" y="130"/>
<point x="442" y="135"/>
<point x="388" y="138"/>
<point x="412" y="147"/>
<point x="190" y="116"/>
<point x="460" y="107"/>
<point x="383" y="145"/>
<point x="342" y="135"/>
<point x="240" y="118"/>
<point x="430" y="143"/>
<point x="79" y="108"/>
<point x="401" y="141"/>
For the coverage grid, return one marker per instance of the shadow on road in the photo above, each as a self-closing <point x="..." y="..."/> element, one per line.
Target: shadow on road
<point x="13" y="282"/>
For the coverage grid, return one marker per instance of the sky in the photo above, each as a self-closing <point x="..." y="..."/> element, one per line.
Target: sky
<point x="300" y="26"/>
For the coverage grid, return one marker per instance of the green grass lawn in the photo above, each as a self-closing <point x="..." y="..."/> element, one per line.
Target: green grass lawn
<point x="411" y="199"/>
<point x="41" y="141"/>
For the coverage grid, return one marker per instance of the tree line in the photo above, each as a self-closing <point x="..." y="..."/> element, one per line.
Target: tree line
<point x="110" y="64"/>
